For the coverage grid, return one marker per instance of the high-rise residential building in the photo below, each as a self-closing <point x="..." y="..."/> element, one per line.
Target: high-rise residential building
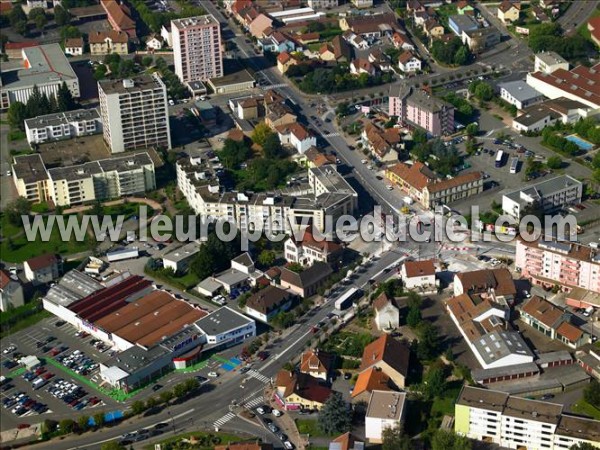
<point x="416" y="107"/>
<point x="134" y="113"/>
<point x="197" y="48"/>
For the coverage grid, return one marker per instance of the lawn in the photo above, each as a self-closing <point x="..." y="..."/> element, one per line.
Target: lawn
<point x="583" y="29"/>
<point x="126" y="209"/>
<point x="16" y="248"/>
<point x="583" y="407"/>
<point x="205" y="441"/>
<point x="310" y="427"/>
<point x="445" y="405"/>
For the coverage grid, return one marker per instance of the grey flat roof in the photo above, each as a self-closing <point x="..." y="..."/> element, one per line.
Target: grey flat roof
<point x="207" y="19"/>
<point x="221" y="321"/>
<point x="141" y="82"/>
<point x="520" y="90"/>
<point x="516" y="369"/>
<point x="119" y="164"/>
<point x="579" y="428"/>
<point x="231" y="276"/>
<point x="551" y="58"/>
<point x="185" y="251"/>
<point x="464" y="22"/>
<point x="524" y="408"/>
<point x="78" y="172"/>
<point x="386" y="405"/>
<point x="63" y="118"/>
<point x="546" y="187"/>
<point x="241" y="76"/>
<point x="209" y="284"/>
<point x="74" y="285"/>
<point x="47" y="64"/>
<point x="332" y="180"/>
<point x="561" y="355"/>
<point x="499" y="344"/>
<point x="476" y="397"/>
<point x="30" y="168"/>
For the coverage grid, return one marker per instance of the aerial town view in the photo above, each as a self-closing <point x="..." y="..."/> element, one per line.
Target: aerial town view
<point x="300" y="224"/>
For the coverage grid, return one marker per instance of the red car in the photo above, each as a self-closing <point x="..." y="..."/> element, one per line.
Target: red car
<point x="48" y="375"/>
<point x="262" y="355"/>
<point x="40" y="371"/>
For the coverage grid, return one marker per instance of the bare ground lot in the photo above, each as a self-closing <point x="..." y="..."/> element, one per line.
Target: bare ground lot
<point x="74" y="151"/>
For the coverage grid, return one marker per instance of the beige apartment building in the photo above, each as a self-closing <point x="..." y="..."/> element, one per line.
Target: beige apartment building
<point x="108" y="42"/>
<point x="197" y="48"/>
<point x="134" y="113"/>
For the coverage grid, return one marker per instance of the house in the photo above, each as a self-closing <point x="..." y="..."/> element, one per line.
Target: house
<point x="370" y="380"/>
<point x="418" y="274"/>
<point x="362" y="4"/>
<point x="465" y="7"/>
<point x="285" y="60"/>
<point x="341" y="50"/>
<point x="317" y="364"/>
<point x="314" y="157"/>
<point x="496" y="284"/>
<point x="11" y="292"/>
<point x="119" y="17"/>
<point x="380" y="60"/>
<point x="74" y="46"/>
<point x="481" y="39"/>
<point x="279" y="114"/>
<point x="296" y="136"/>
<point x="408" y="62"/>
<point x="539" y="14"/>
<point x="309" y="250"/>
<point x="308" y="281"/>
<point x="433" y="29"/>
<point x="400" y="40"/>
<point x="508" y="11"/>
<point x="326" y="53"/>
<point x="243" y="263"/>
<point x="154" y="42"/>
<point x="277" y="42"/>
<point x="384" y="144"/>
<point x="43" y="269"/>
<point x="388" y="355"/>
<point x="386" y="410"/>
<point x="295" y="391"/>
<point x="459" y="24"/>
<point x="259" y="25"/>
<point x="267" y="303"/>
<point x="520" y="94"/>
<point x="387" y="314"/>
<point x="370" y="27"/>
<point x="179" y="259"/>
<point x="346" y="441"/>
<point x="355" y="40"/>
<point x="108" y="42"/>
<point x="360" y="66"/>
<point x="593" y="27"/>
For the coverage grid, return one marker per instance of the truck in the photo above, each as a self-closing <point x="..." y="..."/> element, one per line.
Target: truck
<point x="346" y="299"/>
<point x="122" y="254"/>
<point x="38" y="383"/>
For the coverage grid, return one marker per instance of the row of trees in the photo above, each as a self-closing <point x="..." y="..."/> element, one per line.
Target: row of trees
<point x="441" y="158"/>
<point x="214" y="255"/>
<point x="559" y="143"/>
<point x="180" y="390"/>
<point x="174" y="86"/>
<point x="39" y="104"/>
<point x="18" y="19"/>
<point x="336" y="79"/>
<point x="481" y="90"/>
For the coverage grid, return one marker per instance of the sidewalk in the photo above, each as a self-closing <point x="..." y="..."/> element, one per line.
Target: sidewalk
<point x="285" y="422"/>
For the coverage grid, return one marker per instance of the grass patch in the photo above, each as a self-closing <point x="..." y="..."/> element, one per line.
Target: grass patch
<point x="206" y="441"/>
<point x="583" y="407"/>
<point x="445" y="405"/>
<point x="187" y="281"/>
<point x="17" y="319"/>
<point x="125" y="209"/>
<point x="16" y="135"/>
<point x="310" y="427"/>
<point x="583" y="29"/>
<point x="18" y="372"/>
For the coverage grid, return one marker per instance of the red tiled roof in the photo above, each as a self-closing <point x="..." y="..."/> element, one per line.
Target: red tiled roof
<point x="581" y="81"/>
<point x="419" y="268"/>
<point x="381" y="301"/>
<point x="74" y="42"/>
<point x="42" y="261"/>
<point x="118" y="37"/>
<point x="369" y="380"/>
<point x="4" y="279"/>
<point x="569" y="331"/>
<point x="458" y="180"/>
<point x="302" y="385"/>
<point x="543" y="311"/>
<point x="19" y="45"/>
<point x="418" y="175"/>
<point x="388" y="350"/>
<point x="118" y="15"/>
<point x="315" y="361"/>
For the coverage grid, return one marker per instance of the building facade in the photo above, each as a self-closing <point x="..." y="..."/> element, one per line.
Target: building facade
<point x="108" y="43"/>
<point x="415" y="107"/>
<point x="134" y="113"/>
<point x="197" y="48"/>
<point x="64" y="125"/>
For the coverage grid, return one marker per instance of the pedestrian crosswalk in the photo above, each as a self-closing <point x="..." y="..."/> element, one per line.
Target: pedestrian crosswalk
<point x="254" y="402"/>
<point x="259" y="376"/>
<point x="330" y="135"/>
<point x="223" y="420"/>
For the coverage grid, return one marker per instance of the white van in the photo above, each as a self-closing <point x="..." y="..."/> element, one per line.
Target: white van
<point x="588" y="311"/>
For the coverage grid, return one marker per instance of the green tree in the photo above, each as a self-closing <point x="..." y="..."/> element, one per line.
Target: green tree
<point x="192" y="384"/>
<point x="435" y="381"/>
<point x="283" y="320"/>
<point x="583" y="446"/>
<point x="449" y="440"/>
<point x="61" y="16"/>
<point x="16" y="115"/>
<point x="335" y="417"/>
<point x="343" y="109"/>
<point x="151" y="402"/>
<point x="413" y="318"/>
<point x="472" y="129"/>
<point x="591" y="394"/>
<point x="138" y="407"/>
<point x="147" y="61"/>
<point x="112" y="445"/>
<point x="428" y="344"/>
<point x="70" y="32"/>
<point x="64" y="98"/>
<point x="67" y="426"/>
<point x="38" y="17"/>
<point x="260" y="133"/>
<point x="554" y="162"/>
<point x="234" y="153"/>
<point x="17" y="208"/>
<point x="82" y="423"/>
<point x="99" y="419"/>
<point x="35" y="103"/>
<point x="462" y="56"/>
<point x="484" y="91"/>
<point x="394" y="439"/>
<point x="16" y="15"/>
<point x="180" y="390"/>
<point x="272" y="146"/>
<point x="266" y="258"/>
<point x="165" y="396"/>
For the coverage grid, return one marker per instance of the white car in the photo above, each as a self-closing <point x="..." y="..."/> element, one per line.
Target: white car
<point x="390" y="187"/>
<point x="277" y="413"/>
<point x="213" y="374"/>
<point x="288" y="445"/>
<point x="364" y="161"/>
<point x="261" y="410"/>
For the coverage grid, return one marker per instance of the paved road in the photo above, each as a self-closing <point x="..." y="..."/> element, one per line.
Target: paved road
<point x="577" y="13"/>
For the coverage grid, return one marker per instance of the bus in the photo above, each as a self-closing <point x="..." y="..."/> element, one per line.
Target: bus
<point x="514" y="165"/>
<point x="499" y="158"/>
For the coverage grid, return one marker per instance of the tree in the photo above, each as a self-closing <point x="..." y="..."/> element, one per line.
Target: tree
<point x="138" y="407"/>
<point x="283" y="320"/>
<point x="234" y="153"/>
<point x="462" y="56"/>
<point x="192" y="384"/>
<point x="343" y="109"/>
<point x="61" y="16"/>
<point x="67" y="426"/>
<point x="591" y="394"/>
<point x="16" y="15"/>
<point x="165" y="396"/>
<point x="428" y="344"/>
<point x="266" y="258"/>
<point x="272" y="148"/>
<point x="435" y="381"/>
<point x="449" y="440"/>
<point x="335" y="417"/>
<point x="484" y="91"/>
<point x="147" y="61"/>
<point x="38" y="16"/>
<point x="180" y="390"/>
<point x="151" y="402"/>
<point x="419" y="136"/>
<point x="64" y="98"/>
<point x="70" y="32"/>
<point x="554" y="162"/>
<point x="16" y="115"/>
<point x="82" y="423"/>
<point x="472" y="129"/>
<point x="112" y="445"/>
<point x="394" y="439"/>
<point x="583" y="446"/>
<point x="260" y="133"/>
<point x="17" y="208"/>
<point x="99" y="419"/>
<point x="413" y="318"/>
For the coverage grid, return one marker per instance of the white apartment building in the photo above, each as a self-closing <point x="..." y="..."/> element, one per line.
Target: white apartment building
<point x="64" y="125"/>
<point x="548" y="62"/>
<point x="514" y="422"/>
<point x="134" y="113"/>
<point x="321" y="4"/>
<point x="550" y="195"/>
<point x="97" y="180"/>
<point x="197" y="48"/>
<point x="385" y="410"/>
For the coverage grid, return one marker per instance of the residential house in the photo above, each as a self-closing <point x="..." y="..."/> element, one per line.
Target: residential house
<point x="422" y="16"/>
<point x="341" y="50"/>
<point x="308" y="281"/>
<point x="390" y="356"/>
<point x="295" y="391"/>
<point x="277" y="42"/>
<point x="314" y="157"/>
<point x="593" y="27"/>
<point x="362" y="4"/>
<point x="370" y="26"/>
<point x="465" y="7"/>
<point x="74" y="46"/>
<point x="11" y="292"/>
<point x="108" y="42"/>
<point x="309" y="250"/>
<point x="326" y="53"/>
<point x="267" y="303"/>
<point x="285" y="60"/>
<point x="346" y="441"/>
<point x="380" y="60"/>
<point x="520" y="94"/>
<point x="408" y="62"/>
<point x="317" y="364"/>
<point x="360" y="66"/>
<point x="259" y="25"/>
<point x="370" y="380"/>
<point x="386" y="410"/>
<point x="119" y="17"/>
<point x="384" y="144"/>
<point x="42" y="269"/>
<point x="495" y="284"/>
<point x="355" y="40"/>
<point x="411" y="179"/>
<point x="400" y="40"/>
<point x="481" y="39"/>
<point x="539" y="14"/>
<point x="297" y="136"/>
<point x="419" y="275"/>
<point x="508" y="11"/>
<point x="279" y="114"/>
<point x="154" y="42"/>
<point x="387" y="314"/>
<point x="433" y="29"/>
